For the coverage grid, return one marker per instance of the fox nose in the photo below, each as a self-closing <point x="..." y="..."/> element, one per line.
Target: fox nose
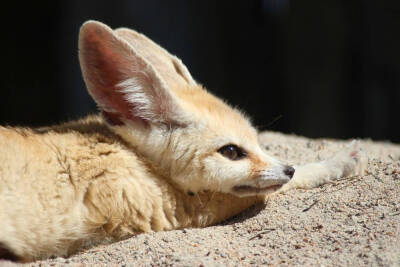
<point x="289" y="171"/>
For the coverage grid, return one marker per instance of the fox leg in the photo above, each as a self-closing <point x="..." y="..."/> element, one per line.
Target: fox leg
<point x="350" y="161"/>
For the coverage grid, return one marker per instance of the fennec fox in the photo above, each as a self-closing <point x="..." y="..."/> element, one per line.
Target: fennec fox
<point x="164" y="154"/>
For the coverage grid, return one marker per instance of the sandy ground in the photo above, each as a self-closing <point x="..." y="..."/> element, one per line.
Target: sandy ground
<point x="354" y="221"/>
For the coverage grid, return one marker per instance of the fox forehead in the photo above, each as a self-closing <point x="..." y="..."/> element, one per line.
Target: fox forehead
<point x="219" y="117"/>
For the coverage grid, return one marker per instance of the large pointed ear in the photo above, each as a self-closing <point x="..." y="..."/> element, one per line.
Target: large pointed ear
<point x="171" y="68"/>
<point x="125" y="86"/>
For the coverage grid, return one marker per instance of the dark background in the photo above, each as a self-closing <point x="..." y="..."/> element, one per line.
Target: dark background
<point x="315" y="68"/>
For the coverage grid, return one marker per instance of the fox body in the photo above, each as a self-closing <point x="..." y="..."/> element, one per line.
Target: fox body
<point x="163" y="154"/>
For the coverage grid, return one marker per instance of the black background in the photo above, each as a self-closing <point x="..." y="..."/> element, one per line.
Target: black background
<point x="315" y="68"/>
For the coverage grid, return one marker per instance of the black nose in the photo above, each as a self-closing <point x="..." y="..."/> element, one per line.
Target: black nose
<point x="289" y="171"/>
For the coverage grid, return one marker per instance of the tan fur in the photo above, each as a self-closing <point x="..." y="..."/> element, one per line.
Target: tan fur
<point x="156" y="167"/>
<point x="68" y="184"/>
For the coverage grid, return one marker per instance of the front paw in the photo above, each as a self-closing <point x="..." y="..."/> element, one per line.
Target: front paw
<point x="353" y="158"/>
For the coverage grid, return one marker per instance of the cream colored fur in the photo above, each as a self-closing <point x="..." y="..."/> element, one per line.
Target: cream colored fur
<point x="153" y="162"/>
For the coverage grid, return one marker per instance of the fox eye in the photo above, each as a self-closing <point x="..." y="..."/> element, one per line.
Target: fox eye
<point x="232" y="152"/>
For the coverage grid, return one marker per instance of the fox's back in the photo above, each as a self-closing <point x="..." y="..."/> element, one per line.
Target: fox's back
<point x="51" y="156"/>
<point x="46" y="176"/>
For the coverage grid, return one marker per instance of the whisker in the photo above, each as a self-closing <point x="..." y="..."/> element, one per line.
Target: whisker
<point x="266" y="126"/>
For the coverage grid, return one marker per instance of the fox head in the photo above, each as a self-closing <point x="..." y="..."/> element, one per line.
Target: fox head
<point x="190" y="137"/>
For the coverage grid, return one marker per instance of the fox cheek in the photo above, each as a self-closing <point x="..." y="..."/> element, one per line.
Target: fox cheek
<point x="225" y="174"/>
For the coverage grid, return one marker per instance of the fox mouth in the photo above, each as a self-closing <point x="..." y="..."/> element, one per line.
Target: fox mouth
<point x="268" y="182"/>
<point x="253" y="190"/>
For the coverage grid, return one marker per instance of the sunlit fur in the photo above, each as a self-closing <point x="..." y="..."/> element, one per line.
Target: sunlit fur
<point x="151" y="164"/>
<point x="188" y="155"/>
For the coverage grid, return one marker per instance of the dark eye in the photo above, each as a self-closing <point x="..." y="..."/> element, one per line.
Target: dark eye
<point x="232" y="152"/>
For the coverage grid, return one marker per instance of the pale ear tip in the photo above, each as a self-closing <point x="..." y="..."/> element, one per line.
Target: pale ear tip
<point x="90" y="23"/>
<point x="93" y="24"/>
<point x="121" y="29"/>
<point x="127" y="30"/>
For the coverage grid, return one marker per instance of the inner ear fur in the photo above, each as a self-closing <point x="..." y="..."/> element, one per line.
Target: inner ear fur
<point x="124" y="84"/>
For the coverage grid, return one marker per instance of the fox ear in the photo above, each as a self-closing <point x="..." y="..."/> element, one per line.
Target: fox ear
<point x="124" y="85"/>
<point x="171" y="68"/>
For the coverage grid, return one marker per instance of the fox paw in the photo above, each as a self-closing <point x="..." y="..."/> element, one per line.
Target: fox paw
<point x="353" y="159"/>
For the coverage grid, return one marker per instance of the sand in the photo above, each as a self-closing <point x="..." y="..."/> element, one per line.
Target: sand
<point x="354" y="221"/>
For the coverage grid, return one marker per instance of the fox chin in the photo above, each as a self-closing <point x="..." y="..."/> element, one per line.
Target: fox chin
<point x="162" y="154"/>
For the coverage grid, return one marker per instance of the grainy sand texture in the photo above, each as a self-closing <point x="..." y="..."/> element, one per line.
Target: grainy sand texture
<point x="351" y="222"/>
